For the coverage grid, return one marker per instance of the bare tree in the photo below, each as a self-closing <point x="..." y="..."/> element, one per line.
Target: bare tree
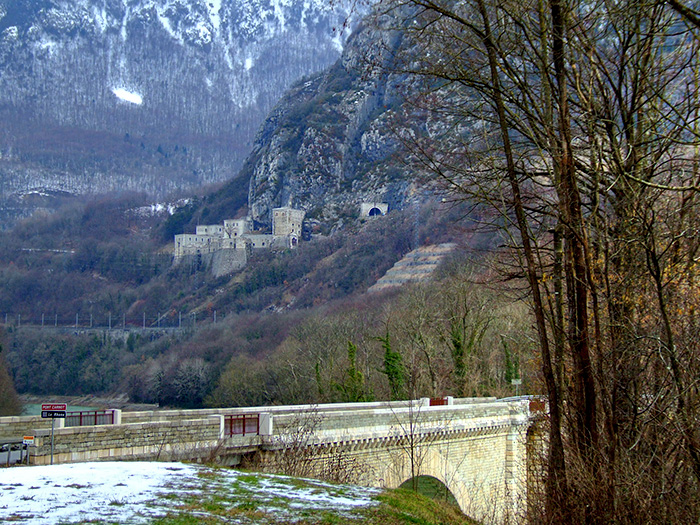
<point x="574" y="126"/>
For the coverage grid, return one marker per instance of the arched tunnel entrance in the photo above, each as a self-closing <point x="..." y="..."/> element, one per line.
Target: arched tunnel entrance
<point x="431" y="487"/>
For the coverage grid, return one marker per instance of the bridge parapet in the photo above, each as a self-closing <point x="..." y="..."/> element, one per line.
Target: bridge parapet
<point x="346" y="426"/>
<point x="168" y="415"/>
<point x="192" y="439"/>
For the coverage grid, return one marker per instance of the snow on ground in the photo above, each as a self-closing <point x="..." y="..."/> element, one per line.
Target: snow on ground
<point x="138" y="492"/>
<point x="128" y="96"/>
<point x="80" y="491"/>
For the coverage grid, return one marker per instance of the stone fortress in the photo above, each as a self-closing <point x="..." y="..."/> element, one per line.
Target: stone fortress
<point x="225" y="248"/>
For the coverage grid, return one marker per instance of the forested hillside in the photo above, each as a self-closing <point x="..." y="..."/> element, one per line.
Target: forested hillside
<point x="113" y="274"/>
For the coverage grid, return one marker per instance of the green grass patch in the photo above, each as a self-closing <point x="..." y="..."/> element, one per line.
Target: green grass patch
<point x="251" y="479"/>
<point x="185" y="519"/>
<point x="401" y="506"/>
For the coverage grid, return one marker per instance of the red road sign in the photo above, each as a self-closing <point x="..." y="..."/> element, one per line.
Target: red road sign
<point x="55" y="406"/>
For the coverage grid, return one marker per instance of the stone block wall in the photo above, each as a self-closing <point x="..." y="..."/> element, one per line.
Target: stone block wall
<point x="228" y="260"/>
<point x="18" y="426"/>
<point x="376" y="208"/>
<point x="477" y="450"/>
<point x="165" y="440"/>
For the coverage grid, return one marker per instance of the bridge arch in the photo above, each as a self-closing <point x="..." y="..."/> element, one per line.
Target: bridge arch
<point x="479" y="468"/>
<point x="431" y="487"/>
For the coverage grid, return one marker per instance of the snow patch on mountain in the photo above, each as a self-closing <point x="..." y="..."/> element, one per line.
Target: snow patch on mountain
<point x="278" y="9"/>
<point x="208" y="68"/>
<point x="99" y="17"/>
<point x="11" y="34"/>
<point x="128" y="96"/>
<point x="125" y="20"/>
<point x="214" y="13"/>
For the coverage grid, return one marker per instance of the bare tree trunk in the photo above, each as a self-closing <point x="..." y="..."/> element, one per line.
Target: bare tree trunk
<point x="557" y="488"/>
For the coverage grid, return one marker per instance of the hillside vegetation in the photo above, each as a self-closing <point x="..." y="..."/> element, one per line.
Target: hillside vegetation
<point x="277" y="332"/>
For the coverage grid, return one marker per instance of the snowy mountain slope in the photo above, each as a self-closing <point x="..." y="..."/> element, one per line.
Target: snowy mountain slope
<point x="147" y="95"/>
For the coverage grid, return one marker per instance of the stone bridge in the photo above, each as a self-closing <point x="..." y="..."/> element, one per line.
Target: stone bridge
<point x="476" y="447"/>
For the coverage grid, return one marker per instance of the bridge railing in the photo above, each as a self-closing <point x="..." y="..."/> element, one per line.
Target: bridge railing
<point x="90" y="417"/>
<point x="241" y="425"/>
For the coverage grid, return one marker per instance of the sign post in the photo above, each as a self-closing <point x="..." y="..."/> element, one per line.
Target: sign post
<point x="28" y="441"/>
<point x="53" y="410"/>
<point x="517" y="383"/>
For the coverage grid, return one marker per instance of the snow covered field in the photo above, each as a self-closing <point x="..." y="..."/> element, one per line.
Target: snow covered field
<point x="138" y="492"/>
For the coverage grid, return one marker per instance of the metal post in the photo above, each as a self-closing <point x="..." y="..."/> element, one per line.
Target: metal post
<point x="76" y="321"/>
<point x="144" y="319"/>
<point x="53" y="419"/>
<point x="90" y="319"/>
<point x="214" y="315"/>
<point x="124" y="321"/>
<point x="110" y="320"/>
<point x="42" y="320"/>
<point x="55" y="320"/>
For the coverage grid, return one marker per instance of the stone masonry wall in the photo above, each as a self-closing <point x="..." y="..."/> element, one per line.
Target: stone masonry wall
<point x="477" y="450"/>
<point x="18" y="426"/>
<point x="228" y="261"/>
<point x="165" y="440"/>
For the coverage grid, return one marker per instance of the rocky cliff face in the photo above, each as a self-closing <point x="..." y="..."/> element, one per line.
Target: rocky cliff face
<point x="147" y="95"/>
<point x="334" y="140"/>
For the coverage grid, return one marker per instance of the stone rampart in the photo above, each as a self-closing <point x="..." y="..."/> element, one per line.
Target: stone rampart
<point x="228" y="260"/>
